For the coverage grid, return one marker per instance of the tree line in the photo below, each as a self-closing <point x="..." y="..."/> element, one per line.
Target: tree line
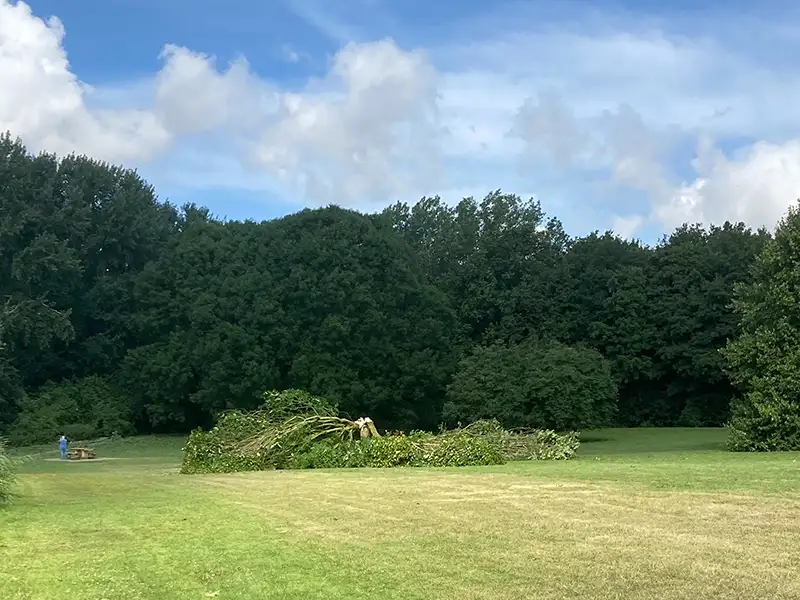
<point x="120" y="313"/>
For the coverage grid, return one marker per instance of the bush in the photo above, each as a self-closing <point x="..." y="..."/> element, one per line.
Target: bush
<point x="543" y="444"/>
<point x="7" y="475"/>
<point x="397" y="450"/>
<point x="538" y="383"/>
<point x="533" y="444"/>
<point x="333" y="454"/>
<point x="452" y="449"/>
<point x="80" y="409"/>
<point x="461" y="449"/>
<point x="764" y="422"/>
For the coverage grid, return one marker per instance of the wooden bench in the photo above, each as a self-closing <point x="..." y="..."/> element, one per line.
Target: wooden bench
<point x="81" y="453"/>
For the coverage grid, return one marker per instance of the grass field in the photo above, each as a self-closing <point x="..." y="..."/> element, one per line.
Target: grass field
<point x="641" y="514"/>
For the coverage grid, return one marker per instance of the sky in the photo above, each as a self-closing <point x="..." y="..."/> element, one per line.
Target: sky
<point x="623" y="115"/>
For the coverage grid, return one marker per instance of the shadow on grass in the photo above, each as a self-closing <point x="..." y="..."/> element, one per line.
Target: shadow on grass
<point x="593" y="439"/>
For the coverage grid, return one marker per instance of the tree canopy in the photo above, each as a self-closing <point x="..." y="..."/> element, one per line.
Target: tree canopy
<point x="123" y="313"/>
<point x="765" y="360"/>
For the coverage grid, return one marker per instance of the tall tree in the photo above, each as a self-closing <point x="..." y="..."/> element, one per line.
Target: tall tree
<point x="498" y="261"/>
<point x="694" y="274"/>
<point x="322" y="300"/>
<point x="73" y="234"/>
<point x="105" y="288"/>
<point x="764" y="361"/>
<point x="608" y="306"/>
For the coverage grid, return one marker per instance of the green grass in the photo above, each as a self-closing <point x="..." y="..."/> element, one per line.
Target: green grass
<point x="647" y="513"/>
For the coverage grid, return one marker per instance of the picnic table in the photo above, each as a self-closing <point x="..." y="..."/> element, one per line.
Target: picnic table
<point x="81" y="453"/>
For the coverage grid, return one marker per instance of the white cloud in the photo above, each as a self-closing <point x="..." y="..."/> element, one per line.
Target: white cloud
<point x="555" y="110"/>
<point x="618" y="108"/>
<point x="627" y="226"/>
<point x="756" y="188"/>
<point x="365" y="132"/>
<point x="191" y="96"/>
<point x="42" y="101"/>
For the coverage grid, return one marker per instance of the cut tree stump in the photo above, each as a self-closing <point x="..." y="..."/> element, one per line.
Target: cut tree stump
<point x="366" y="428"/>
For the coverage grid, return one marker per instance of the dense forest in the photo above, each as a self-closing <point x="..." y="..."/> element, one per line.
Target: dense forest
<point x="123" y="314"/>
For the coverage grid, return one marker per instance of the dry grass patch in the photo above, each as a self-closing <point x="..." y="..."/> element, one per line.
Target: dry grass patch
<point x="506" y="536"/>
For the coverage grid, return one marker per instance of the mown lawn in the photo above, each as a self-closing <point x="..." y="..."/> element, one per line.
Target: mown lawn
<point x="641" y="514"/>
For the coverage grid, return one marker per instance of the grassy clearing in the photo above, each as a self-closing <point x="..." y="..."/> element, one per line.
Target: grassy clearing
<point x="641" y="514"/>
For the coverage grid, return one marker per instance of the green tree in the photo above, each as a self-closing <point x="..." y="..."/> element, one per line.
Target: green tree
<point x="536" y="383"/>
<point x="498" y="260"/>
<point x="98" y="278"/>
<point x="764" y="361"/>
<point x="74" y="234"/>
<point x="322" y="300"/>
<point x="608" y="306"/>
<point x="660" y="316"/>
<point x="84" y="408"/>
<point x="31" y="325"/>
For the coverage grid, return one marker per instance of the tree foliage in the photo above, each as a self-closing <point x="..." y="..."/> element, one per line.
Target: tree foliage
<point x="321" y="300"/>
<point x="74" y="235"/>
<point x="80" y="409"/>
<point x="103" y="287"/>
<point x="764" y="361"/>
<point x="7" y="475"/>
<point x="537" y="383"/>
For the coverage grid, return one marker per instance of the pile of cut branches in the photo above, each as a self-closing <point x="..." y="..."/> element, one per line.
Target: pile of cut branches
<point x="295" y="430"/>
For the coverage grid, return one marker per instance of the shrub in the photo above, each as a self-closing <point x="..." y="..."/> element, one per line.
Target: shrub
<point x="451" y="449"/>
<point x="533" y="444"/>
<point x="216" y="451"/>
<point x="7" y="475"/>
<point x="538" y="383"/>
<point x="397" y="450"/>
<point x="333" y="454"/>
<point x="85" y="408"/>
<point x="543" y="444"/>
<point x="764" y="422"/>
<point x="461" y="449"/>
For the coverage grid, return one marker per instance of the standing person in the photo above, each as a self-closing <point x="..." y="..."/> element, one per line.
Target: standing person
<point x="62" y="446"/>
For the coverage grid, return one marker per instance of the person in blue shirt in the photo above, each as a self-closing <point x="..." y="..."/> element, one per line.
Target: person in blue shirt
<point x="62" y="446"/>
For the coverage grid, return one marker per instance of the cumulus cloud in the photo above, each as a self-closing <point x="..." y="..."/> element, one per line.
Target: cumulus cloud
<point x="191" y="96"/>
<point x="659" y="95"/>
<point x="756" y="187"/>
<point x="42" y="101"/>
<point x="365" y="132"/>
<point x="387" y="123"/>
<point x="615" y="140"/>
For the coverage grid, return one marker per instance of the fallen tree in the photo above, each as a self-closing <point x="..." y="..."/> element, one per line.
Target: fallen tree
<point x="295" y="430"/>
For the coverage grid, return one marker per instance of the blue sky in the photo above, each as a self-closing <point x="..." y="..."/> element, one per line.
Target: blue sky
<point x="631" y="115"/>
